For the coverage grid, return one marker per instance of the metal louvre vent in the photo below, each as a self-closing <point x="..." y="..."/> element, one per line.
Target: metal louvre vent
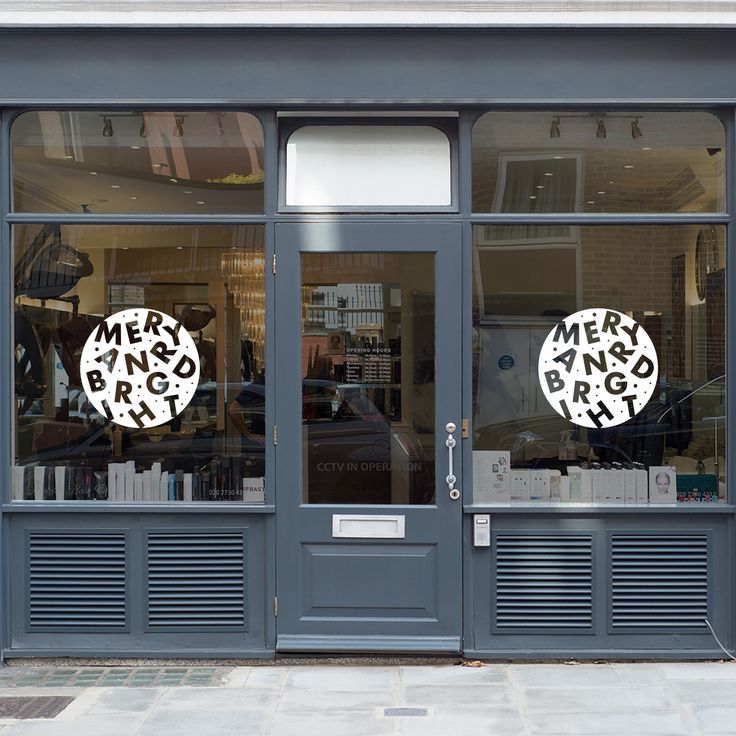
<point x="76" y="580"/>
<point x="659" y="581"/>
<point x="544" y="581"/>
<point x="196" y="579"/>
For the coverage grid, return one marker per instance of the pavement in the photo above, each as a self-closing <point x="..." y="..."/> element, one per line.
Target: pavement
<point x="616" y="699"/>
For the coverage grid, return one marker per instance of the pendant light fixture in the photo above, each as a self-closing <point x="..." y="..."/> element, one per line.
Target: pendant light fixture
<point x="554" y="128"/>
<point x="179" y="127"/>
<point x="107" y="130"/>
<point x="601" y="129"/>
<point x="635" y="129"/>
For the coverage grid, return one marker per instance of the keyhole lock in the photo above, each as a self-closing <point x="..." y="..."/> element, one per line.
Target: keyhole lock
<point x="455" y="494"/>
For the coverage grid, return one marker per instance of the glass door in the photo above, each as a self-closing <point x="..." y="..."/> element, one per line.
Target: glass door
<point x="368" y="503"/>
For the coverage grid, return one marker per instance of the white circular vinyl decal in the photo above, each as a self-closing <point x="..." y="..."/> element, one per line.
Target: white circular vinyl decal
<point x="598" y="368"/>
<point x="140" y="368"/>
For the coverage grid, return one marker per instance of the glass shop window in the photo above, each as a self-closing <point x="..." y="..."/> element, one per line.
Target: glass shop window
<point x="599" y="364"/>
<point x="139" y="363"/>
<point x="137" y="161"/>
<point x="611" y="161"/>
<point x="368" y="388"/>
<point x="329" y="166"/>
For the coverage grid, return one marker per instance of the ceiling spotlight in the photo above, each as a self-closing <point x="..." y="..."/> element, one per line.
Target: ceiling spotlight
<point x="600" y="131"/>
<point x="179" y="128"/>
<point x="554" y="128"/>
<point x="635" y="129"/>
<point x="107" y="127"/>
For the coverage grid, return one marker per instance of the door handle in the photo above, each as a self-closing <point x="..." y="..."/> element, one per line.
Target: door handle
<point x="451" y="479"/>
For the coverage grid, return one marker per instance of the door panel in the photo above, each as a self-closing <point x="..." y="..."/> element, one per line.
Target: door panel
<point x="368" y="338"/>
<point x="383" y="571"/>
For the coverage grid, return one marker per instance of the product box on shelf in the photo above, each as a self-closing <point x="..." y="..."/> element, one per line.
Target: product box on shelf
<point x="491" y="476"/>
<point x="662" y="484"/>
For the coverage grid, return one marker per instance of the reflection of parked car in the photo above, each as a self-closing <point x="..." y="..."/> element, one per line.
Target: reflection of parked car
<point x="536" y="442"/>
<point x="358" y="456"/>
<point x="352" y="455"/>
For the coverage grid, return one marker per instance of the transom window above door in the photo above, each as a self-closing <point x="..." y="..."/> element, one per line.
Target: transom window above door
<point x="356" y="166"/>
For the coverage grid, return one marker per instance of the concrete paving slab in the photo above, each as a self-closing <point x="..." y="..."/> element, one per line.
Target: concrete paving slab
<point x="342" y="679"/>
<point x="704" y="692"/>
<point x="565" y="676"/>
<point x="598" y="699"/>
<point x="718" y="719"/>
<point x="496" y="722"/>
<point x="237" y="677"/>
<point x="284" y="724"/>
<point x="84" y="726"/>
<point x="452" y="674"/>
<point x="634" y="723"/>
<point x="644" y="673"/>
<point x="700" y="671"/>
<point x="211" y="722"/>
<point x="479" y="695"/>
<point x="218" y="699"/>
<point x="267" y="677"/>
<point x="304" y="701"/>
<point x="124" y="700"/>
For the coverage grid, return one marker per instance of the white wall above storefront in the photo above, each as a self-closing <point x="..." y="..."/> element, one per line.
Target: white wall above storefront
<point x="427" y="13"/>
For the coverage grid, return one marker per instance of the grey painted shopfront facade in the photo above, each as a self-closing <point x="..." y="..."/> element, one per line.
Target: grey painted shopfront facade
<point x="144" y="576"/>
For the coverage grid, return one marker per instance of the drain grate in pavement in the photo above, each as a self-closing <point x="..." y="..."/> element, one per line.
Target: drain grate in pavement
<point x="33" y="707"/>
<point x="398" y="711"/>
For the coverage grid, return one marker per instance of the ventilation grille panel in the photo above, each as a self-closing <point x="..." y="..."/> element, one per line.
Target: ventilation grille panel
<point x="544" y="581"/>
<point x="659" y="581"/>
<point x="196" y="579"/>
<point x="76" y="580"/>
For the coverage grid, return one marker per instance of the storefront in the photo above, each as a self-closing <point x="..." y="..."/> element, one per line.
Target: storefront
<point x="370" y="340"/>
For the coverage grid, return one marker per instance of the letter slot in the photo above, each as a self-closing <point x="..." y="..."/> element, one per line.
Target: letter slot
<point x="365" y="526"/>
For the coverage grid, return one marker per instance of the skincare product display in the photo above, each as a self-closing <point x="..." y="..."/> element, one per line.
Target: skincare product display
<point x="597" y="483"/>
<point x="221" y="480"/>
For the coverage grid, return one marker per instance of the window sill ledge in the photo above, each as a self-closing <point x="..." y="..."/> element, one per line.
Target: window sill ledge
<point x="599" y="509"/>
<point x="103" y="507"/>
